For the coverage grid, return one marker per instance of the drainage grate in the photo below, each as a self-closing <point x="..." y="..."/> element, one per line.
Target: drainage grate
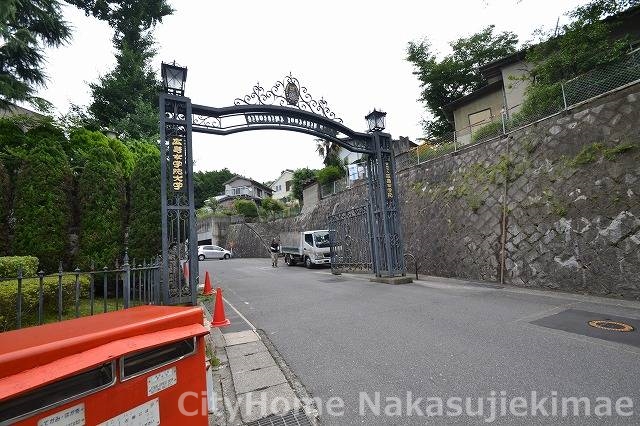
<point x="292" y="418"/>
<point x="611" y="325"/>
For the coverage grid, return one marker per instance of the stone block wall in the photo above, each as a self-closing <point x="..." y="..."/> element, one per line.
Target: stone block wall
<point x="553" y="205"/>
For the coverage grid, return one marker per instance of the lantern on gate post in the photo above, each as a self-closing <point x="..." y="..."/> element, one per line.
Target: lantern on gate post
<point x="375" y="120"/>
<point x="173" y="78"/>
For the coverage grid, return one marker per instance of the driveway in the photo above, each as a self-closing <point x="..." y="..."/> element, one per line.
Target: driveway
<point x="448" y="342"/>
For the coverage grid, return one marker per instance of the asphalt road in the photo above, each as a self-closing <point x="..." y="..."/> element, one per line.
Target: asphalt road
<point x="439" y="339"/>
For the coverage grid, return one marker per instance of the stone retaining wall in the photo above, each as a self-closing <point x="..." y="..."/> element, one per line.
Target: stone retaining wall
<point x="553" y="205"/>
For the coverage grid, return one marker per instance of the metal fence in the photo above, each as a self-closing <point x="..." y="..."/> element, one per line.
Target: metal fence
<point x="337" y="186"/>
<point x="595" y="83"/>
<point x="34" y="300"/>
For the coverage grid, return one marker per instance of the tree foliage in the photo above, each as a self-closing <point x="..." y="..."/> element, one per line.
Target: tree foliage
<point x="330" y="174"/>
<point x="144" y="213"/>
<point x="456" y="75"/>
<point x="271" y="206"/>
<point x="101" y="194"/>
<point x="329" y="152"/>
<point x="41" y="205"/>
<point x="209" y="184"/>
<point x="5" y="191"/>
<point x="125" y="100"/>
<point x="299" y="179"/>
<point x="583" y="44"/>
<point x="246" y="208"/>
<point x="25" y="28"/>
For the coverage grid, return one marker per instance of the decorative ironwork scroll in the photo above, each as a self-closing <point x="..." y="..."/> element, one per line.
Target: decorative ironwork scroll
<point x="288" y="92"/>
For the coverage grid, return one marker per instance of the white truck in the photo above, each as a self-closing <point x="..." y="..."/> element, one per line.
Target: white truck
<point x="308" y="247"/>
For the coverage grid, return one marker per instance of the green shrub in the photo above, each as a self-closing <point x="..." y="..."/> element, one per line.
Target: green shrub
<point x="145" y="237"/>
<point x="101" y="192"/>
<point x="488" y="131"/>
<point x="246" y="208"/>
<point x="30" y="298"/>
<point x="272" y="206"/>
<point x="329" y="174"/>
<point x="9" y="266"/>
<point x="41" y="205"/>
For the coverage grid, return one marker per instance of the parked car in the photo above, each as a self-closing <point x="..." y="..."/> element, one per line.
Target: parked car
<point x="212" y="252"/>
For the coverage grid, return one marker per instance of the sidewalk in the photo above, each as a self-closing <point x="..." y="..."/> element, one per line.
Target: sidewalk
<point x="252" y="384"/>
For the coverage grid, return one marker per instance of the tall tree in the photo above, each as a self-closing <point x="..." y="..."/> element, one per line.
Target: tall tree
<point x="126" y="99"/>
<point x="5" y="191"/>
<point x="300" y="178"/>
<point x="41" y="203"/>
<point x="209" y="184"/>
<point x="26" y="26"/>
<point x="101" y="193"/>
<point x="456" y="75"/>
<point x="144" y="213"/>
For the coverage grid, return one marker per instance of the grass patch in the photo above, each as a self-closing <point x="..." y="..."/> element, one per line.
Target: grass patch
<point x="612" y="153"/>
<point x="589" y="154"/>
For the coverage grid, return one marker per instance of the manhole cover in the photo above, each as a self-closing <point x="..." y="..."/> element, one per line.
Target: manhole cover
<point x="611" y="325"/>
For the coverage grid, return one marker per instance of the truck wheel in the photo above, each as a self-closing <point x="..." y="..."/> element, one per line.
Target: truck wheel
<point x="201" y="257"/>
<point x="307" y="262"/>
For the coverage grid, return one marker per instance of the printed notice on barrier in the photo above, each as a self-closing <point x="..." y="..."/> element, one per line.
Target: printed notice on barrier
<point x="72" y="416"/>
<point x="147" y="414"/>
<point x="161" y="381"/>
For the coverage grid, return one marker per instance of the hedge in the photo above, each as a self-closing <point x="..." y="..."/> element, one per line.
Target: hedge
<point x="9" y="266"/>
<point x="30" y="294"/>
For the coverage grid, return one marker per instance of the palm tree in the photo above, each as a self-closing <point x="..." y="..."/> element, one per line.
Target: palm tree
<point x="328" y="151"/>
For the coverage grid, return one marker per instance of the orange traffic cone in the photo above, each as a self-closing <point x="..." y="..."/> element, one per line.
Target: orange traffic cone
<point x="185" y="267"/>
<point x="208" y="291"/>
<point x="219" y="318"/>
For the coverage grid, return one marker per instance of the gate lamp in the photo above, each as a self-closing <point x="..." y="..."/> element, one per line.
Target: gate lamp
<point x="173" y="78"/>
<point x="375" y="120"/>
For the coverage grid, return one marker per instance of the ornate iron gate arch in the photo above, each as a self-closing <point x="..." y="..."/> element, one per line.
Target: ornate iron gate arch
<point x="286" y="106"/>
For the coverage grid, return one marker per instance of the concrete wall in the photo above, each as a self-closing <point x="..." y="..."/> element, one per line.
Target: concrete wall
<point x="493" y="100"/>
<point x="553" y="205"/>
<point x="514" y="86"/>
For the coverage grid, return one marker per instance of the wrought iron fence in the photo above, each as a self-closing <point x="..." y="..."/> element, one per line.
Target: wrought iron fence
<point x="595" y="83"/>
<point x="35" y="300"/>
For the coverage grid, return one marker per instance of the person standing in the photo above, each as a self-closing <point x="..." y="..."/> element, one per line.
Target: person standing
<point x="274" y="249"/>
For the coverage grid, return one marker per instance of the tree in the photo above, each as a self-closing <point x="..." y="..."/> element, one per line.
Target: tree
<point x="209" y="184"/>
<point x="299" y="179"/>
<point x="5" y="191"/>
<point x="329" y="152"/>
<point x="329" y="174"/>
<point x="456" y="75"/>
<point x="583" y="44"/>
<point x="246" y="208"/>
<point x="145" y="239"/>
<point x="271" y="206"/>
<point x="41" y="205"/>
<point x="25" y="28"/>
<point x="101" y="195"/>
<point x="125" y="100"/>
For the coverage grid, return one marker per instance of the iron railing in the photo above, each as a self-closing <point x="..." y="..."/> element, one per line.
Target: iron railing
<point x="595" y="83"/>
<point x="35" y="300"/>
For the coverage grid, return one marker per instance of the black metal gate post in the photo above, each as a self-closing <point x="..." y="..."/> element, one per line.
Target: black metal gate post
<point x="179" y="241"/>
<point x="387" y="235"/>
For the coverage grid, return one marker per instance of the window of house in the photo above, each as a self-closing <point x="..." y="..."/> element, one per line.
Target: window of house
<point x="259" y="192"/>
<point x="288" y="185"/>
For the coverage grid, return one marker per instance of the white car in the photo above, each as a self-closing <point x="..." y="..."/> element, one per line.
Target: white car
<point x="212" y="252"/>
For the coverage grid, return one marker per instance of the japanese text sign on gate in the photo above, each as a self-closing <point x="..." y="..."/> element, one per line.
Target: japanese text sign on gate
<point x="177" y="160"/>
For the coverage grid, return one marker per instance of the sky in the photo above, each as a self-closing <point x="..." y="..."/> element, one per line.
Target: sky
<point x="352" y="53"/>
